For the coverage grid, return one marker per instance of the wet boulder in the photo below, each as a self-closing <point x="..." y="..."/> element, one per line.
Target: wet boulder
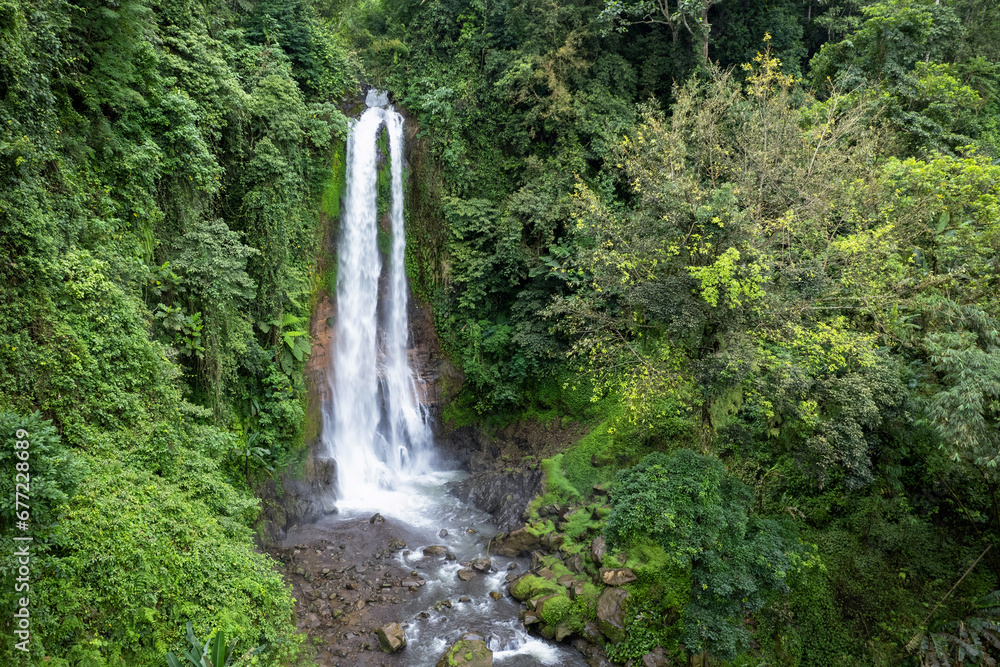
<point x="575" y="563"/>
<point x="465" y="574"/>
<point x="391" y="637"/>
<point x="563" y="630"/>
<point x="481" y="564"/>
<point x="591" y="632"/>
<point x="435" y="550"/>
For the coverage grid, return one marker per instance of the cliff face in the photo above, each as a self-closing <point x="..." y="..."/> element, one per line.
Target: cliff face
<point x="305" y="489"/>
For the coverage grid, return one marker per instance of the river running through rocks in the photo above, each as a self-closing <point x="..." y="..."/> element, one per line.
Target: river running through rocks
<point x="351" y="576"/>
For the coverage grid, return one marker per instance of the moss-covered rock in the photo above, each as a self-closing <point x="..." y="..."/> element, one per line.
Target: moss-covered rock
<point x="467" y="653"/>
<point x="530" y="586"/>
<point x="553" y="608"/>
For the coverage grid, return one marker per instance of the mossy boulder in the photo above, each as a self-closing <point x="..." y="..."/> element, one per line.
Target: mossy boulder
<point x="467" y="653"/>
<point x="553" y="608"/>
<point x="530" y="586"/>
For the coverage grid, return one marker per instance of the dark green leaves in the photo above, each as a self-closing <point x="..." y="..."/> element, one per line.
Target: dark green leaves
<point x="687" y="504"/>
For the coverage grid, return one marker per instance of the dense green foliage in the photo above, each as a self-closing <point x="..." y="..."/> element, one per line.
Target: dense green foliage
<point x="161" y="171"/>
<point x="766" y="232"/>
<point x="753" y="244"/>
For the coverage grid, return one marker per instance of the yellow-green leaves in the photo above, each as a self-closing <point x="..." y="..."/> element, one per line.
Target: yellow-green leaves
<point x="730" y="280"/>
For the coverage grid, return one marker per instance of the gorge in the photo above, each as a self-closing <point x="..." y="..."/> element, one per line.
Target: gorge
<point x="399" y="548"/>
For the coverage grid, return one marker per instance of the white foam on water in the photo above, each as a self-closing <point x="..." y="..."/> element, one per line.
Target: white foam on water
<point x="523" y="644"/>
<point x="376" y="98"/>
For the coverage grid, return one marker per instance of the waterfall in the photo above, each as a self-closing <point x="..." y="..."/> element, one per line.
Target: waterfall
<point x="374" y="426"/>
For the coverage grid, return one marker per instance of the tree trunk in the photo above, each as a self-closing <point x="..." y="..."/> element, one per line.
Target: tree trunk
<point x="706" y="31"/>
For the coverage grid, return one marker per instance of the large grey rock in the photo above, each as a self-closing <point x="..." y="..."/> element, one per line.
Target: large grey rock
<point x="563" y="630"/>
<point x="610" y="616"/>
<point x="575" y="563"/>
<point x="391" y="637"/>
<point x="591" y="632"/>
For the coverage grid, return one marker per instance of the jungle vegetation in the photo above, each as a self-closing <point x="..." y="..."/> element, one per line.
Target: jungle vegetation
<point x="752" y="244"/>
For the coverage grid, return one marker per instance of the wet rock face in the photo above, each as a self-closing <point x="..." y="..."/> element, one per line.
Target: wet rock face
<point x="303" y="499"/>
<point x="467" y="652"/>
<point x="504" y="495"/>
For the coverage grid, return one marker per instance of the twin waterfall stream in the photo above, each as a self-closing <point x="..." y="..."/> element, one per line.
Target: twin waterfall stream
<point x="378" y="432"/>
<point x="379" y="437"/>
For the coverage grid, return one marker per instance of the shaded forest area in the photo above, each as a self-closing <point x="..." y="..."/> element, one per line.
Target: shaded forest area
<point x="753" y="245"/>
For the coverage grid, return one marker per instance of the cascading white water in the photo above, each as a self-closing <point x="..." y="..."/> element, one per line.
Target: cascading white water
<point x="407" y="431"/>
<point x="374" y="427"/>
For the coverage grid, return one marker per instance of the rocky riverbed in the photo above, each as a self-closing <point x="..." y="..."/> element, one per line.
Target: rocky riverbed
<point x="423" y="562"/>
